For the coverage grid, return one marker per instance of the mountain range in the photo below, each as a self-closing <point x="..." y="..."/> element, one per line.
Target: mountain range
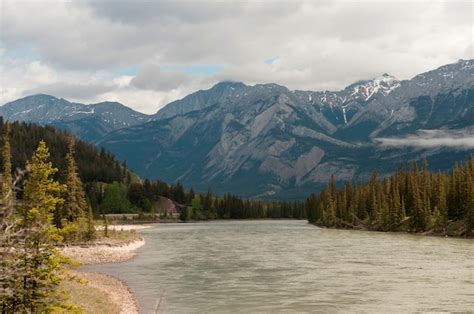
<point x="88" y="122"/>
<point x="267" y="141"/>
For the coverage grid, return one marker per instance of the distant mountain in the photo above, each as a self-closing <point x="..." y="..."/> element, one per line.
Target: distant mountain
<point x="88" y="122"/>
<point x="270" y="142"/>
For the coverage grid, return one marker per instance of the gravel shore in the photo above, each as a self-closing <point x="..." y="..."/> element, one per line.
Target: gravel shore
<point x="108" y="252"/>
<point x="101" y="253"/>
<point x="117" y="290"/>
<point x="124" y="227"/>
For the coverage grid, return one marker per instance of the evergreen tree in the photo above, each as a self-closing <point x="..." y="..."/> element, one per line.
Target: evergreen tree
<point x="7" y="193"/>
<point x="106" y="226"/>
<point x="470" y="207"/>
<point x="11" y="237"/>
<point x="440" y="201"/>
<point x="75" y="201"/>
<point x="90" y="233"/>
<point x="40" y="264"/>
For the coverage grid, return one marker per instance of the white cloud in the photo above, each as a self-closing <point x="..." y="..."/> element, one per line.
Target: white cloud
<point x="319" y="44"/>
<point x="432" y="139"/>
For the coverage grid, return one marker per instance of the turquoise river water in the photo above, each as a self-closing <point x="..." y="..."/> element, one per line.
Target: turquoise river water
<point x="290" y="266"/>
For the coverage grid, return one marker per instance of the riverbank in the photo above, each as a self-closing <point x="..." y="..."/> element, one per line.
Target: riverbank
<point x="100" y="292"/>
<point x="103" y="252"/>
<point x="454" y="229"/>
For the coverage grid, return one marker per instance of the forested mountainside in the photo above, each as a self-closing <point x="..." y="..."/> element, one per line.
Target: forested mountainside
<point x="266" y="141"/>
<point x="413" y="199"/>
<point x="94" y="165"/>
<point x="111" y="188"/>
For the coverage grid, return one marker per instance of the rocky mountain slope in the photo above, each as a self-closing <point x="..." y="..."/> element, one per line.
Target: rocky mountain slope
<point x="88" y="122"/>
<point x="271" y="142"/>
<point x="268" y="141"/>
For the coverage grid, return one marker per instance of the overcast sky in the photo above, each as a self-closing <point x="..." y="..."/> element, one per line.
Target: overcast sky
<point x="146" y="54"/>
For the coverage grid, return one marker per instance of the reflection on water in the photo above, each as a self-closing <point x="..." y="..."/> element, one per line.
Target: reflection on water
<point x="290" y="266"/>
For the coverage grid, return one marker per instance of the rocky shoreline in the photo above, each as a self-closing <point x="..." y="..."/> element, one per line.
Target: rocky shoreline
<point x="101" y="253"/>
<point x="117" y="290"/>
<point x="108" y="252"/>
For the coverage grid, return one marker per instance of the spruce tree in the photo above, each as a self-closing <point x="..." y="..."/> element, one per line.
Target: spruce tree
<point x="440" y="201"/>
<point x="90" y="232"/>
<point x="75" y="201"/>
<point x="11" y="237"/>
<point x="396" y="214"/>
<point x="470" y="208"/>
<point x="40" y="264"/>
<point x="106" y="226"/>
<point x="7" y="193"/>
<point x="418" y="217"/>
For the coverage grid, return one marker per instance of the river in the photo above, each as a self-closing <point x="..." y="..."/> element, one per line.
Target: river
<point x="291" y="266"/>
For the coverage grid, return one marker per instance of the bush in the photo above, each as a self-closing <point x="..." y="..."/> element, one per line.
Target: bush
<point x="73" y="232"/>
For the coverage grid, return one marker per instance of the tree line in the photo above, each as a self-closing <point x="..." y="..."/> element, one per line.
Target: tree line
<point x="142" y="196"/>
<point x="206" y="206"/>
<point x="413" y="200"/>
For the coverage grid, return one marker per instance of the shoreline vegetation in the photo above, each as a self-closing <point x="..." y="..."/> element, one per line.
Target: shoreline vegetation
<point x="454" y="229"/>
<point x="412" y="200"/>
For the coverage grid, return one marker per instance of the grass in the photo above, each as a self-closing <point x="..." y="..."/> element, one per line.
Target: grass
<point x="118" y="236"/>
<point x="90" y="299"/>
<point x="115" y="234"/>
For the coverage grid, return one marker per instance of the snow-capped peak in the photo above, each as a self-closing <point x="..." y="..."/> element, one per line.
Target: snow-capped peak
<point x="385" y="84"/>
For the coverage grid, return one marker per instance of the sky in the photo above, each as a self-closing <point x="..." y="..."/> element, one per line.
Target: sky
<point x="146" y="54"/>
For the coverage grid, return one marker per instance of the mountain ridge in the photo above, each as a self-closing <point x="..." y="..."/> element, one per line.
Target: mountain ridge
<point x="88" y="122"/>
<point x="268" y="141"/>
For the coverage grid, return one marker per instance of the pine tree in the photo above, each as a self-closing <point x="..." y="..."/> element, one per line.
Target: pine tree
<point x="106" y="226"/>
<point x="7" y="193"/>
<point x="418" y="217"/>
<point x="454" y="200"/>
<point x="311" y="209"/>
<point x="90" y="232"/>
<point x="75" y="201"/>
<point x="396" y="214"/>
<point x="440" y="201"/>
<point x="470" y="208"/>
<point x="11" y="237"/>
<point x="40" y="264"/>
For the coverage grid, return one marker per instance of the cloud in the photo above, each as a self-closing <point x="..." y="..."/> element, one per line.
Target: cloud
<point x="71" y="90"/>
<point x="432" y="139"/>
<point x="320" y="44"/>
<point x="153" y="78"/>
